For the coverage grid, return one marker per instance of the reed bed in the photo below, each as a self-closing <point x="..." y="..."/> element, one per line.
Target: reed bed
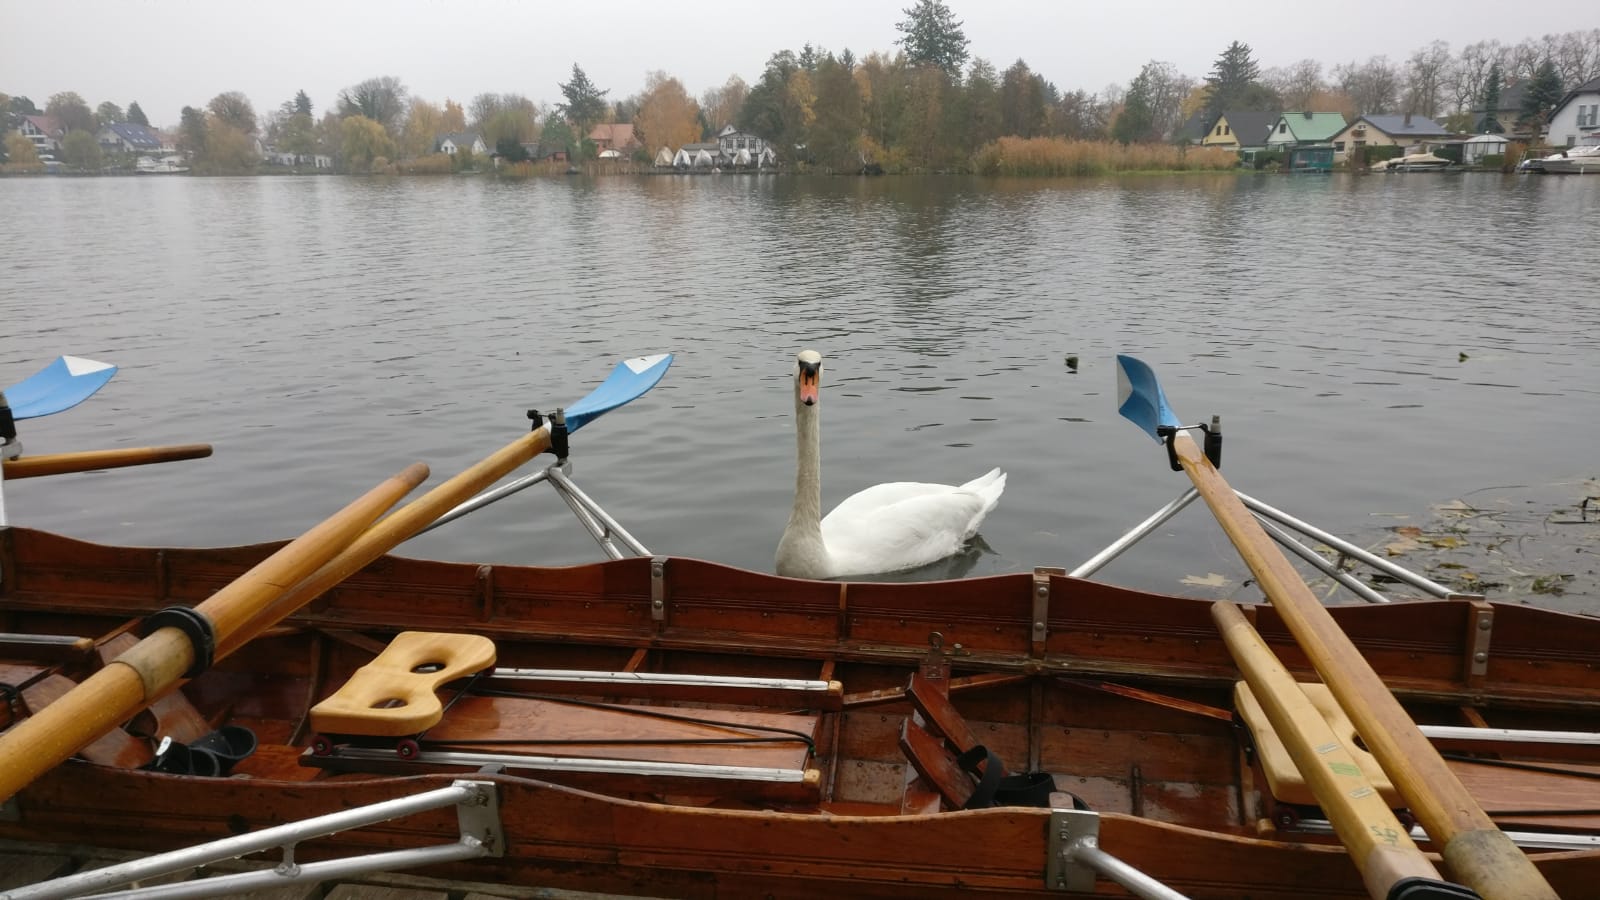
<point x="1046" y="157"/>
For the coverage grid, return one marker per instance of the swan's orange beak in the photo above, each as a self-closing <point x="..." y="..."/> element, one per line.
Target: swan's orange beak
<point x="808" y="381"/>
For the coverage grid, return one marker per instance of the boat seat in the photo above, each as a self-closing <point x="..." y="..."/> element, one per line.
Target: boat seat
<point x="1283" y="777"/>
<point x="396" y="694"/>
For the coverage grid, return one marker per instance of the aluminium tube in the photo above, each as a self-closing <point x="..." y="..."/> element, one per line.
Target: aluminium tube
<point x="285" y="835"/>
<point x="1315" y="559"/>
<point x="570" y="490"/>
<point x="487" y="497"/>
<point x="1347" y="548"/>
<point x="1086" y="850"/>
<point x="1098" y="561"/>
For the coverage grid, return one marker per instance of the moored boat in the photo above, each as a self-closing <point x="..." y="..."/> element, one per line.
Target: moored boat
<point x="1580" y="160"/>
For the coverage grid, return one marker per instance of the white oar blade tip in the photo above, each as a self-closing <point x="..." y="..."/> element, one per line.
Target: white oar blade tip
<point x="639" y="364"/>
<point x="77" y="365"/>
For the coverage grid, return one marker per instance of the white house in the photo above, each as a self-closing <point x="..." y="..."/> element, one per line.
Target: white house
<point x="44" y="131"/>
<point x="129" y="137"/>
<point x="731" y="140"/>
<point x="1576" y="119"/>
<point x="457" y="141"/>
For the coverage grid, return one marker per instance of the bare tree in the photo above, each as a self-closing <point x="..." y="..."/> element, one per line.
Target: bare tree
<point x="1522" y="60"/>
<point x="1576" y="56"/>
<point x="382" y="99"/>
<point x="721" y="105"/>
<point x="1373" y="86"/>
<point x="1466" y="77"/>
<point x="1295" y="85"/>
<point x="1425" y="78"/>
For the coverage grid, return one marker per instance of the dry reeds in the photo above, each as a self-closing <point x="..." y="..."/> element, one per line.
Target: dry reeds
<point x="1048" y="157"/>
<point x="432" y="164"/>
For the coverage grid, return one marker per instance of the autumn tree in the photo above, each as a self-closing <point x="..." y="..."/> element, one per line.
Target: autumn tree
<point x="108" y="113"/>
<point x="1022" y="106"/>
<point x="362" y="141"/>
<point x="984" y="118"/>
<point x="453" y="118"/>
<point x="136" y="115"/>
<point x="80" y="150"/>
<point x="771" y="111"/>
<point x="932" y="36"/>
<point x="68" y="109"/>
<point x="424" y="124"/>
<point x="720" y="106"/>
<point x="498" y="117"/>
<point x="585" y="105"/>
<point x="836" y="130"/>
<point x="229" y="150"/>
<point x="1080" y="115"/>
<point x="233" y="109"/>
<point x="20" y="154"/>
<point x="192" y="131"/>
<point x="667" y="116"/>
<point x="382" y="100"/>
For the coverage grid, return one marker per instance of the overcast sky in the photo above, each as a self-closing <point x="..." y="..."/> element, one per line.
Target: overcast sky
<point x="169" y="53"/>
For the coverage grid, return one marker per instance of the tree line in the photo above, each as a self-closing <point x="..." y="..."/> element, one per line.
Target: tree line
<point x="926" y="105"/>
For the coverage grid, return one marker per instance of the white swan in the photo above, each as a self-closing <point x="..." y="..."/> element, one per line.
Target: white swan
<point x="885" y="528"/>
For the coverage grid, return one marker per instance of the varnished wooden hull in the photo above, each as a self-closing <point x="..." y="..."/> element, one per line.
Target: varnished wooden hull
<point x="1114" y="696"/>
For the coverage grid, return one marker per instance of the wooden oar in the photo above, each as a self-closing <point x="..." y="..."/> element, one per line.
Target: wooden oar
<point x="1380" y="846"/>
<point x="1476" y="852"/>
<point x="86" y="460"/>
<point x="160" y="661"/>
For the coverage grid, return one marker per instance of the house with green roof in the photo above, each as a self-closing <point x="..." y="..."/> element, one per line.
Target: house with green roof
<point x="1294" y="129"/>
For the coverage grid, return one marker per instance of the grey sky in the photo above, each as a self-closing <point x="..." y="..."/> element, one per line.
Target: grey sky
<point x="176" y="52"/>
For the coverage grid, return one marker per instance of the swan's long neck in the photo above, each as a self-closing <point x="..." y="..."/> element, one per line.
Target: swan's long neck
<point x="805" y="520"/>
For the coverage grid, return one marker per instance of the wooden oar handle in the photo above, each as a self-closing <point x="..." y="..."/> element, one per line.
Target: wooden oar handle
<point x="1475" y="851"/>
<point x="86" y="460"/>
<point x="133" y="680"/>
<point x="1381" y="848"/>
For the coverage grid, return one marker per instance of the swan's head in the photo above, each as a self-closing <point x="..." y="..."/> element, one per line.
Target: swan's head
<point x="807" y="376"/>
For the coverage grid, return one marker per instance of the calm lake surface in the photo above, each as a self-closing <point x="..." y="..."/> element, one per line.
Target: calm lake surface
<point x="323" y="333"/>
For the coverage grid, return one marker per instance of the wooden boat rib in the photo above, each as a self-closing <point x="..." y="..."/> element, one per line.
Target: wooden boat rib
<point x="1125" y="698"/>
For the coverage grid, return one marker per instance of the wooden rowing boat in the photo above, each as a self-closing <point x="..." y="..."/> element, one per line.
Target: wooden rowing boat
<point x="673" y="727"/>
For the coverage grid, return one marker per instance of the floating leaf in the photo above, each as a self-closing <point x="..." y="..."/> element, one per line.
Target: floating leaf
<point x="1211" y="580"/>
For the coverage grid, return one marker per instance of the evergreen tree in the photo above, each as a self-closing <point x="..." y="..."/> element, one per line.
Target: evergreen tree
<point x="933" y="37"/>
<point x="302" y="103"/>
<point x="586" y="104"/>
<point x="1232" y="78"/>
<point x="136" y="115"/>
<point x="1491" y="102"/>
<point x="1137" y="120"/>
<point x="1542" y="95"/>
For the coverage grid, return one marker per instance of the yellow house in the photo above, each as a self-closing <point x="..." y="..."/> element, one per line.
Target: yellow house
<point x="1384" y="131"/>
<point x="1239" y="130"/>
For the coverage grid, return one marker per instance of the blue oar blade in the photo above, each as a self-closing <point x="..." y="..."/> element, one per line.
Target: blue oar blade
<point x="628" y="380"/>
<point x="1139" y="397"/>
<point x="63" y="384"/>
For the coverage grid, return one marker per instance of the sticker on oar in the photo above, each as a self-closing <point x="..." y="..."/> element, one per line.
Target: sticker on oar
<point x="628" y="380"/>
<point x="1140" y="399"/>
<point x="63" y="384"/>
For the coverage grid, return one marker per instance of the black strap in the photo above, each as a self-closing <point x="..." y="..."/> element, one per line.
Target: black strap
<point x="988" y="778"/>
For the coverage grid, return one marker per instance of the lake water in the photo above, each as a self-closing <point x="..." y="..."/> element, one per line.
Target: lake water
<point x="323" y="333"/>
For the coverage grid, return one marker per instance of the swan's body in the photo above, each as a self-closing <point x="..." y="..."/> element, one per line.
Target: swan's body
<point x="885" y="528"/>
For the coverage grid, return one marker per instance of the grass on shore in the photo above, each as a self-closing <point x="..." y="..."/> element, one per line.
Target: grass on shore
<point x="1047" y="157"/>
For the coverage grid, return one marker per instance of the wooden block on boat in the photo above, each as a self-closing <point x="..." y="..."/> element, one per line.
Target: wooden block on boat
<point x="1283" y="777"/>
<point x="935" y="764"/>
<point x="936" y="707"/>
<point x="394" y="695"/>
<point x="114" y="748"/>
<point x="175" y="716"/>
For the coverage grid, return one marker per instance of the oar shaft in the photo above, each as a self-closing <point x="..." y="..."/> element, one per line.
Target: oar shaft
<point x="1477" y="853"/>
<point x="395" y="529"/>
<point x="87" y="460"/>
<point x="157" y="663"/>
<point x="1381" y="848"/>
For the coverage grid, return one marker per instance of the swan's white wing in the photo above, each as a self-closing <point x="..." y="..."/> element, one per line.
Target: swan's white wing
<point x="919" y="524"/>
